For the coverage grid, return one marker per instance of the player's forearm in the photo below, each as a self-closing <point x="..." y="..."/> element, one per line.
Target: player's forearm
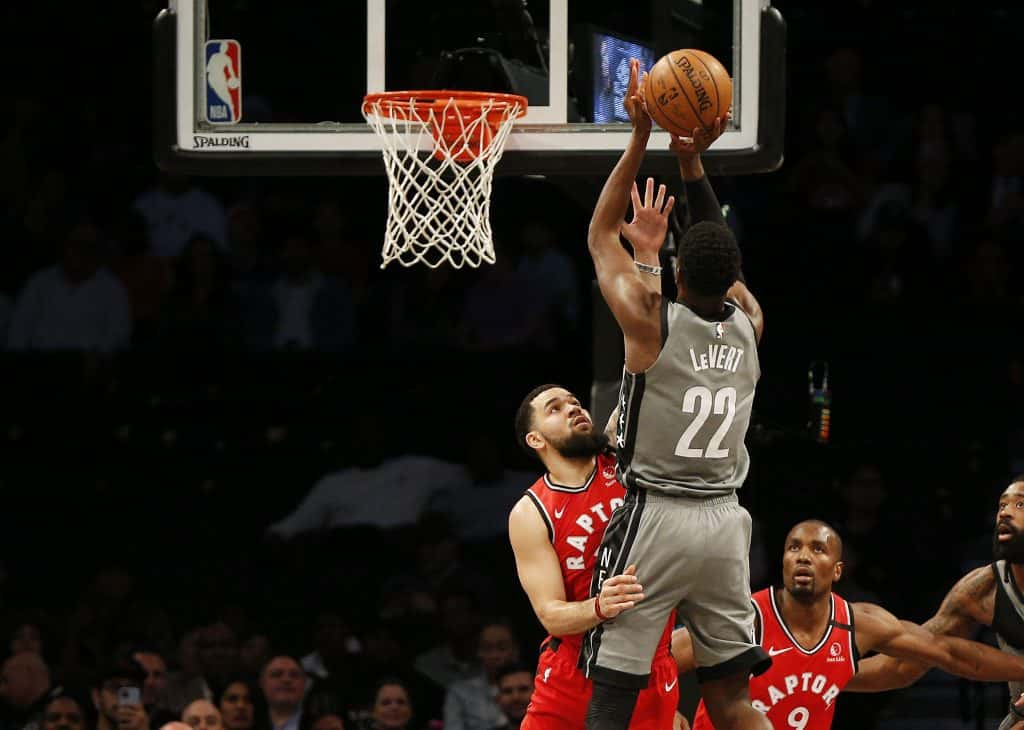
<point x="980" y="662"/>
<point x="614" y="199"/>
<point x="564" y="618"/>
<point x="882" y="673"/>
<point x="702" y="201"/>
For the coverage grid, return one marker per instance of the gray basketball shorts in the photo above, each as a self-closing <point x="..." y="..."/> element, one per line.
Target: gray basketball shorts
<point x="692" y="555"/>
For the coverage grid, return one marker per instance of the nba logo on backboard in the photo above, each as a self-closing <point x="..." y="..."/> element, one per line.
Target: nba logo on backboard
<point x="223" y="82"/>
<point x="719" y="330"/>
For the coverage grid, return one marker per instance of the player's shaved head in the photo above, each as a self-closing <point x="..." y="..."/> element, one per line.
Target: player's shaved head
<point x="833" y="540"/>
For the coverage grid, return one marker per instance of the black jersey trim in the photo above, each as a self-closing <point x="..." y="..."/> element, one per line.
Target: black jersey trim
<point x="754" y="660"/>
<point x="758" y="624"/>
<point x="630" y="397"/>
<point x="854" y="651"/>
<point x="544" y="514"/>
<point x="615" y="546"/>
<point x="664" y="323"/>
<point x="555" y="487"/>
<point x="789" y="634"/>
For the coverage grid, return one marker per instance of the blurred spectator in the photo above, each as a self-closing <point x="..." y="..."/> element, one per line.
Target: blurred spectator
<point x="499" y="315"/>
<point x="154" y="689"/>
<point x="551" y="275"/>
<point x="202" y="715"/>
<point x="24" y="683"/>
<point x="27" y="638"/>
<point x="896" y="257"/>
<point x="64" y="712"/>
<point x="74" y="305"/>
<point x="392" y="706"/>
<point x="334" y="646"/>
<point x="118" y="679"/>
<point x="176" y="211"/>
<point x="218" y="654"/>
<point x="823" y="179"/>
<point x="311" y="310"/>
<point x="1006" y="195"/>
<point x="329" y="722"/>
<point x="515" y="689"/>
<point x="283" y="682"/>
<point x="253" y="653"/>
<point x="471" y="703"/>
<point x="187" y="683"/>
<point x="146" y="278"/>
<point x="456" y="657"/>
<point x="202" y="312"/>
<point x="242" y="706"/>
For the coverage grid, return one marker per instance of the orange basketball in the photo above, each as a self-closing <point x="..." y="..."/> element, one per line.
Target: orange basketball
<point x="687" y="89"/>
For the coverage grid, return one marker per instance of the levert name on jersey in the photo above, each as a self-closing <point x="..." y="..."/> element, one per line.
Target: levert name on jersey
<point x="717" y="357"/>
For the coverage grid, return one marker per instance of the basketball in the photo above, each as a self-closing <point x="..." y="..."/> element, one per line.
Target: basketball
<point x="687" y="89"/>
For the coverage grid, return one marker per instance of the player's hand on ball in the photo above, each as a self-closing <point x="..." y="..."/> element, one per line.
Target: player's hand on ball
<point x="699" y="140"/>
<point x="620" y="593"/>
<point x="634" y="99"/>
<point x="646" y="232"/>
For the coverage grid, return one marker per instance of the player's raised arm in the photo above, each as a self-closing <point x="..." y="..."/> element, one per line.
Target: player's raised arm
<point x="959" y="615"/>
<point x="541" y="577"/>
<point x="879" y="630"/>
<point x="634" y="304"/>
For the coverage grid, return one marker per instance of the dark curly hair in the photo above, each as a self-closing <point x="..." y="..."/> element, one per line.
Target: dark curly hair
<point x="709" y="259"/>
<point x="524" y="417"/>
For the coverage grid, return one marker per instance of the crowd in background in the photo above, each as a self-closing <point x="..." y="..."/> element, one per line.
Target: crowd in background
<point x="265" y="482"/>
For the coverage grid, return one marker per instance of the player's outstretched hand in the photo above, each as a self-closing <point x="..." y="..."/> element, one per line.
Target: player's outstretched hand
<point x="646" y="232"/>
<point x="699" y="140"/>
<point x="634" y="99"/>
<point x="620" y="593"/>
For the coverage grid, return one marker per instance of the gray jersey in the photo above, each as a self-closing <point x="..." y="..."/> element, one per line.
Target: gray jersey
<point x="682" y="422"/>
<point x="1008" y="623"/>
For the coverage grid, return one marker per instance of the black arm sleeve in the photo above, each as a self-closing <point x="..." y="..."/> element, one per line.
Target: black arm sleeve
<point x="702" y="202"/>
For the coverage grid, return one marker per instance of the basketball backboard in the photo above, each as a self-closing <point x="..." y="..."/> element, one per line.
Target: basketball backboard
<point x="297" y="75"/>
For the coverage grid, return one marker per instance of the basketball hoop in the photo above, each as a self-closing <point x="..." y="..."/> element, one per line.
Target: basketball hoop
<point x="440" y="150"/>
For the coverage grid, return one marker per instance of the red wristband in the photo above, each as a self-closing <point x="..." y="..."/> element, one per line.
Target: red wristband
<point x="597" y="609"/>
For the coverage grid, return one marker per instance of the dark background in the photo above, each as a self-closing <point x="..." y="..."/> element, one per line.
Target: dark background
<point x="888" y="245"/>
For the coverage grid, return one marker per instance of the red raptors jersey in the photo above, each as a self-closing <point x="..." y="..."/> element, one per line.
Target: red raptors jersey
<point x="800" y="689"/>
<point x="576" y="518"/>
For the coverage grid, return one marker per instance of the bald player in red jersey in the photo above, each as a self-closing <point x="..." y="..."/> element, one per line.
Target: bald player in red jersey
<point x="555" y="531"/>
<point x="815" y="638"/>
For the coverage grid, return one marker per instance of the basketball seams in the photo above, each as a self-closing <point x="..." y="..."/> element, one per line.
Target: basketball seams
<point x="711" y="75"/>
<point x="682" y="88"/>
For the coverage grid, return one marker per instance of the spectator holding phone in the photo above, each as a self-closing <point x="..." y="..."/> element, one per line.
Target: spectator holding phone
<point x="117" y="695"/>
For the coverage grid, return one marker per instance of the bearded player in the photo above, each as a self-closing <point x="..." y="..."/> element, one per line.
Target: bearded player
<point x="555" y="531"/>
<point x="815" y="638"/>
<point x="987" y="596"/>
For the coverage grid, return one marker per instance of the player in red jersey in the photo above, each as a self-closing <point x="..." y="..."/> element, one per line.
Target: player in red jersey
<point x="555" y="531"/>
<point x="815" y="638"/>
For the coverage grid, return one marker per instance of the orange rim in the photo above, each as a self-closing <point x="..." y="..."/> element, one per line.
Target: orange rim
<point x="439" y="99"/>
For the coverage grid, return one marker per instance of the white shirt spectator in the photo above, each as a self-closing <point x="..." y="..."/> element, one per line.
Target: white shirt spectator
<point x="173" y="219"/>
<point x="294" y="310"/>
<point x="53" y="314"/>
<point x="389" y="495"/>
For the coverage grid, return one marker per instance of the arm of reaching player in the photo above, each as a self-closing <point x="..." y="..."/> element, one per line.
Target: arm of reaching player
<point x="962" y="611"/>
<point x="541" y="578"/>
<point x="964" y="658"/>
<point x="646" y="232"/>
<point x="704" y="206"/>
<point x="632" y="301"/>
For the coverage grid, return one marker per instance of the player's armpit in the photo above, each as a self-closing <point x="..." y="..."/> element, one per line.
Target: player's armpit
<point x="682" y="651"/>
<point x="969" y="604"/>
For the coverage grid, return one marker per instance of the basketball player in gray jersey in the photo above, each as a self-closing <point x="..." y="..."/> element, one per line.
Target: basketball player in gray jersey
<point x="690" y="372"/>
<point x="987" y="596"/>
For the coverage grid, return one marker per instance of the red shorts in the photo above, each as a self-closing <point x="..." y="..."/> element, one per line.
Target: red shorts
<point x="561" y="694"/>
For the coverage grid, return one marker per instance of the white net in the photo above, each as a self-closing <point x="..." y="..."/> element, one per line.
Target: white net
<point x="440" y="153"/>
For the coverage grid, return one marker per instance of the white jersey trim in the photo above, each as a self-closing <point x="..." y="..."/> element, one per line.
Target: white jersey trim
<point x="789" y="635"/>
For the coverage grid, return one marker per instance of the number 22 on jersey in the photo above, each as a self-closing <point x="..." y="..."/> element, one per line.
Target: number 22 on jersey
<point x="700" y="402"/>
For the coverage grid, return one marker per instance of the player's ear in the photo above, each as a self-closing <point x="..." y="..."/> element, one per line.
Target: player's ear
<point x="534" y="440"/>
<point x="838" y="571"/>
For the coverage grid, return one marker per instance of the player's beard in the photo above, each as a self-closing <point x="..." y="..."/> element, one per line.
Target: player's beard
<point x="581" y="445"/>
<point x="803" y="593"/>
<point x="1012" y="551"/>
